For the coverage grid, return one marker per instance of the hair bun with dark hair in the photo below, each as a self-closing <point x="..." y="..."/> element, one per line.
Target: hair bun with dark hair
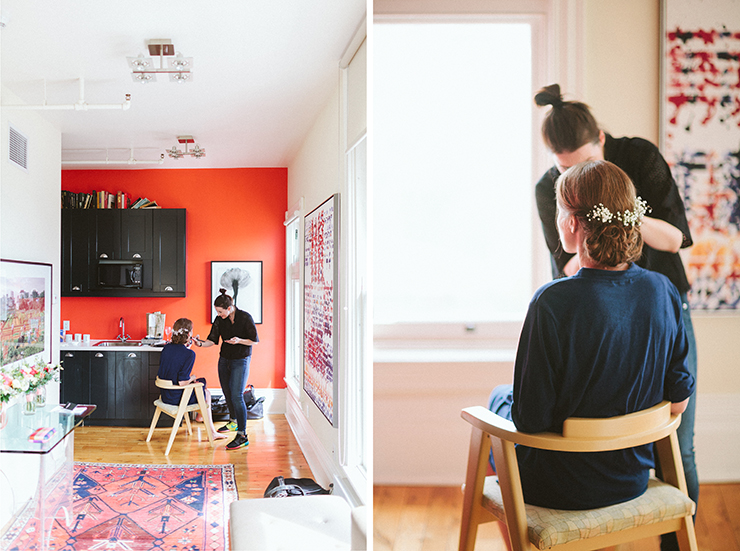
<point x="222" y="291"/>
<point x="549" y="95"/>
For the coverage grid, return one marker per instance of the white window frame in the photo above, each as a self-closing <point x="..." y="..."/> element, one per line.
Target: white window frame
<point x="294" y="300"/>
<point x="355" y="329"/>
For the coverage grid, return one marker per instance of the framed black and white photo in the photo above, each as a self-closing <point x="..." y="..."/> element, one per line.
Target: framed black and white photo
<point x="243" y="283"/>
<point x="25" y="312"/>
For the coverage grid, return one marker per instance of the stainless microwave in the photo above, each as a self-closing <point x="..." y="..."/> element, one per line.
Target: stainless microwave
<point x="120" y="274"/>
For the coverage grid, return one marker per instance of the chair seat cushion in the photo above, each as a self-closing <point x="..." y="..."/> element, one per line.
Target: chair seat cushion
<point x="171" y="410"/>
<point x="320" y="522"/>
<point x="550" y="527"/>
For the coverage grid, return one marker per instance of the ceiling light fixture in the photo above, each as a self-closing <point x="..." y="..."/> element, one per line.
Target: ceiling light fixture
<point x="178" y="67"/>
<point x="175" y="153"/>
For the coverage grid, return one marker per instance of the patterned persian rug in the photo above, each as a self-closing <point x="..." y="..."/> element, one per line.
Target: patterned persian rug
<point x="138" y="507"/>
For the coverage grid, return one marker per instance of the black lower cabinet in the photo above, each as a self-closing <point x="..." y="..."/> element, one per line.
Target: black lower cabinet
<point x="117" y="382"/>
<point x="75" y="377"/>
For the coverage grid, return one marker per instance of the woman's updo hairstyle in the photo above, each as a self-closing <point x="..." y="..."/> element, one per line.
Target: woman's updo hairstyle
<point x="568" y="125"/>
<point x="586" y="187"/>
<point x="181" y="331"/>
<point x="223" y="300"/>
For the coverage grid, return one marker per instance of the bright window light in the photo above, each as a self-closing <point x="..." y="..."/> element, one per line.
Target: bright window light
<point x="453" y="188"/>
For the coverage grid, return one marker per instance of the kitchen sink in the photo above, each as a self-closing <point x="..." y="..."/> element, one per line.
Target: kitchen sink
<point x="118" y="343"/>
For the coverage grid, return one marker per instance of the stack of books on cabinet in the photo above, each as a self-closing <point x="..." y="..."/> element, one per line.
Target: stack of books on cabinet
<point x="104" y="200"/>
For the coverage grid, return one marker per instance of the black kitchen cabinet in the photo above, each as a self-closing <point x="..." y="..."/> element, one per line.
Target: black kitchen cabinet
<point x="132" y="392"/>
<point x="102" y="389"/>
<point x="97" y="244"/>
<point x="117" y="382"/>
<point x="123" y="234"/>
<point x="76" y="228"/>
<point x="75" y="377"/>
<point x="169" y="252"/>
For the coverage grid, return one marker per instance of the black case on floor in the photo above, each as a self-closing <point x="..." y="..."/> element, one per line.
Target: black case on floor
<point x="288" y="487"/>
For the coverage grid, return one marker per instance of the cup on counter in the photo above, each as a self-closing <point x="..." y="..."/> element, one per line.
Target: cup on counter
<point x="86" y="339"/>
<point x="78" y="337"/>
<point x="68" y="338"/>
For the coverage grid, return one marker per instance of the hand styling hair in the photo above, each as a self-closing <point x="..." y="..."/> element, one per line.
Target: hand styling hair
<point x="589" y="189"/>
<point x="569" y="124"/>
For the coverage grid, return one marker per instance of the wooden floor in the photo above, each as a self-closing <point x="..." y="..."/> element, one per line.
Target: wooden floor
<point x="272" y="451"/>
<point x="408" y="518"/>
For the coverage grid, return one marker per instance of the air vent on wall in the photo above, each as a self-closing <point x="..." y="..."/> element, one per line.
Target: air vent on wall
<point x="18" y="149"/>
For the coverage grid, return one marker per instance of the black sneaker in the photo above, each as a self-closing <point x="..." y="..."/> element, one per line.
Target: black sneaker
<point x="228" y="427"/>
<point x="239" y="441"/>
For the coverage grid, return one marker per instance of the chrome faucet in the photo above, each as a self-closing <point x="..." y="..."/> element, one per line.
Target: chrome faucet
<point x="123" y="337"/>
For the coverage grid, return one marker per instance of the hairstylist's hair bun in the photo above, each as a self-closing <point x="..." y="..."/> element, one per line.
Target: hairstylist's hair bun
<point x="222" y="291"/>
<point x="549" y="95"/>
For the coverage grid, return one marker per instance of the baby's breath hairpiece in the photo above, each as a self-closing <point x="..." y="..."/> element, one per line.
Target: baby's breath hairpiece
<point x="628" y="217"/>
<point x="181" y="331"/>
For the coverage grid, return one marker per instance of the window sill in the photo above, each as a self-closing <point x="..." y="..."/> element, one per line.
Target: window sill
<point x="442" y="355"/>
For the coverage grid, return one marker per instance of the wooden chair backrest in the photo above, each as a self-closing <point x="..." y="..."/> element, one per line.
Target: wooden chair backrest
<point x="164" y="383"/>
<point x="584" y="435"/>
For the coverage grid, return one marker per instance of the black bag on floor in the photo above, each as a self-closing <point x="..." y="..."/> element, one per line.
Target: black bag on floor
<point x="255" y="407"/>
<point x="288" y="487"/>
<point x="249" y="398"/>
<point x="219" y="409"/>
<point x="256" y="410"/>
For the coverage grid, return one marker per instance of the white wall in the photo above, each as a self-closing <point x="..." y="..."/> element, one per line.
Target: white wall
<point x="30" y="215"/>
<point x="317" y="173"/>
<point x="30" y="222"/>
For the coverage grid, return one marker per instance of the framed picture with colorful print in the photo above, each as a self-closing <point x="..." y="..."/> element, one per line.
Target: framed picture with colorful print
<point x="25" y="312"/>
<point x="320" y="277"/>
<point x="700" y="139"/>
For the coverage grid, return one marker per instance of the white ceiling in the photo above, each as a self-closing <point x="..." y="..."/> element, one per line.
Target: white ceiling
<point x="262" y="71"/>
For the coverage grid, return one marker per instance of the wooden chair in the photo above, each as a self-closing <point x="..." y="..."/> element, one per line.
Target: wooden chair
<point x="180" y="411"/>
<point x="664" y="507"/>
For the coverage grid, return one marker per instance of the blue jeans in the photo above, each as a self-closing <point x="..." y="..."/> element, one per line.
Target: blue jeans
<point x="233" y="375"/>
<point x="685" y="431"/>
<point x="499" y="402"/>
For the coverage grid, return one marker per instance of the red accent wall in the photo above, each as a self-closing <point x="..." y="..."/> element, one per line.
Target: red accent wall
<point x="232" y="214"/>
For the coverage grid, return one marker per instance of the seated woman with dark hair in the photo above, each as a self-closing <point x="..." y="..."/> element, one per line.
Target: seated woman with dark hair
<point x="175" y="364"/>
<point x="606" y="341"/>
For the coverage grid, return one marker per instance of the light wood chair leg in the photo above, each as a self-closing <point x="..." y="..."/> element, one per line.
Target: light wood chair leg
<point x="205" y="412"/>
<point x="157" y="413"/>
<point x="474" y="481"/>
<point x="175" y="426"/>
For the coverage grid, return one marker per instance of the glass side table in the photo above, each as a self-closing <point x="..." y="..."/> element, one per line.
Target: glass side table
<point x="39" y="474"/>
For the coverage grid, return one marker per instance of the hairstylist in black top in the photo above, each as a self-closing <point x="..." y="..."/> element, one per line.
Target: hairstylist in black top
<point x="237" y="331"/>
<point x="571" y="133"/>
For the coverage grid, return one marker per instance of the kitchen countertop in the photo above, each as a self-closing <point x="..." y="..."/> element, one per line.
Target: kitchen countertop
<point x="90" y="347"/>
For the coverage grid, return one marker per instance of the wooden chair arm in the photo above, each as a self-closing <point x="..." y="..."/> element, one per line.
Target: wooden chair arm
<point x="585" y="434"/>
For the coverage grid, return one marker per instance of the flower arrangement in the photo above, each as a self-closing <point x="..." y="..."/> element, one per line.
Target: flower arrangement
<point x="25" y="378"/>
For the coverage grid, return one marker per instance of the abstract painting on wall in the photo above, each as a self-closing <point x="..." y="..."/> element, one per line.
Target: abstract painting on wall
<point x="701" y="141"/>
<point x="25" y="312"/>
<point x="319" y="306"/>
